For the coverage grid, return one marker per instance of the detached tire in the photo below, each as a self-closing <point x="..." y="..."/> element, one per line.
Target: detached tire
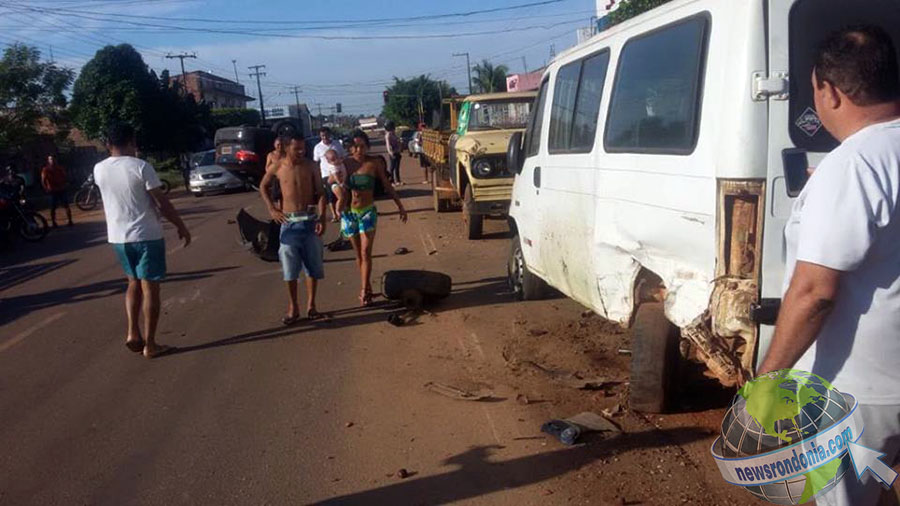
<point x="524" y="284"/>
<point x="654" y="357"/>
<point x="474" y="222"/>
<point x="400" y="285"/>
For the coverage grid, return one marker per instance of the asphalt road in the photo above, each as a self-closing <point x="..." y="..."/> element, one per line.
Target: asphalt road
<point x="251" y="412"/>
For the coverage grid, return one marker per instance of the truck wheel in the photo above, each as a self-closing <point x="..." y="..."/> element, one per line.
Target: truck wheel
<point x="440" y="205"/>
<point x="524" y="284"/>
<point x="654" y="356"/>
<point x="474" y="221"/>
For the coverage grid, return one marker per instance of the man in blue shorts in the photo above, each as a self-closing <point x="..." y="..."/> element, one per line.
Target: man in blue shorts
<point x="133" y="201"/>
<point x="302" y="218"/>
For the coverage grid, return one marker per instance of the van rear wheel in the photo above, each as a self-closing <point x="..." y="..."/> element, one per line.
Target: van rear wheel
<point x="524" y="284"/>
<point x="654" y="357"/>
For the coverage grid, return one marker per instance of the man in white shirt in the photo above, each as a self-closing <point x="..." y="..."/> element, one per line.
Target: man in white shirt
<point x="840" y="317"/>
<point x="326" y="144"/>
<point x="133" y="202"/>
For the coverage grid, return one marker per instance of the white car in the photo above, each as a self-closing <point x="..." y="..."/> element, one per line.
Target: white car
<point x="658" y="171"/>
<point x="207" y="177"/>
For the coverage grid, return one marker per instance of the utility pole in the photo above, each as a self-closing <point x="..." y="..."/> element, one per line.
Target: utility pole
<point x="256" y="73"/>
<point x="524" y="64"/>
<point x="296" y="91"/>
<point x="182" y="56"/>
<point x="468" y="68"/>
<point x="236" y="78"/>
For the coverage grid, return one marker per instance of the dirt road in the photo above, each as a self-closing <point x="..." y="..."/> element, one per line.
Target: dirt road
<point x="252" y="412"/>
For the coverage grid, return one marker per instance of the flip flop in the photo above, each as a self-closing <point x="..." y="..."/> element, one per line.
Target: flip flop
<point x="314" y="315"/>
<point x="162" y="351"/>
<point x="136" y="345"/>
<point x="290" y="320"/>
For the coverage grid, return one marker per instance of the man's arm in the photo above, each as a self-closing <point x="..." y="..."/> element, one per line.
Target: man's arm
<point x="806" y="305"/>
<point x="265" y="189"/>
<point x="321" y="201"/>
<point x="389" y="188"/>
<point x="168" y="211"/>
<point x="45" y="181"/>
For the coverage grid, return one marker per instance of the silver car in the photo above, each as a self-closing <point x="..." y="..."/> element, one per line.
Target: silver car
<point x="207" y="177"/>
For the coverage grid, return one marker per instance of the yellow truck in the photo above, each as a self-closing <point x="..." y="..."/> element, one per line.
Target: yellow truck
<point x="469" y="157"/>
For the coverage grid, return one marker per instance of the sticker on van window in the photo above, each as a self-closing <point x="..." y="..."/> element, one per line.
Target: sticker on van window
<point x="809" y="122"/>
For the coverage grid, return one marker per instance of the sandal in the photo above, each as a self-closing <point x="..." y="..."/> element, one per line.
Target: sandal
<point x="365" y="298"/>
<point x="313" y="315"/>
<point x="161" y="351"/>
<point x="290" y="320"/>
<point x="136" y="345"/>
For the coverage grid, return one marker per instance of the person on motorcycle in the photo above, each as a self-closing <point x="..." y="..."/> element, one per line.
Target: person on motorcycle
<point x="11" y="184"/>
<point x="54" y="182"/>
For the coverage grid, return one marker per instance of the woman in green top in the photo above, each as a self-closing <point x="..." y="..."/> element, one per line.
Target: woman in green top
<point x="359" y="221"/>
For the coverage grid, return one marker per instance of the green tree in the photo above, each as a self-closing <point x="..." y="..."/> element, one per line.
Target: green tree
<point x="631" y="8"/>
<point x="116" y="85"/>
<point x="489" y="78"/>
<point x="222" y="118"/>
<point x="29" y="91"/>
<point x="408" y="98"/>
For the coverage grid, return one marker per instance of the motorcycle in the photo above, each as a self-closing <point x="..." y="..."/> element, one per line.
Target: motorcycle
<point x="88" y="196"/>
<point x="17" y="216"/>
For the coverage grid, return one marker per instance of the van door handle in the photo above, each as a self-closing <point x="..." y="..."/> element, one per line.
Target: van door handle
<point x="537" y="177"/>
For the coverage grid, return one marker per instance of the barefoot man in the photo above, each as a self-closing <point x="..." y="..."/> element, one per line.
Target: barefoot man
<point x="133" y="202"/>
<point x="302" y="218"/>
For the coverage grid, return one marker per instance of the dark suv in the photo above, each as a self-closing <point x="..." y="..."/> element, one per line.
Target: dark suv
<point x="242" y="151"/>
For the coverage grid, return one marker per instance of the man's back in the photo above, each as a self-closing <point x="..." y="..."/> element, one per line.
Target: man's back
<point x="131" y="215"/>
<point x="846" y="219"/>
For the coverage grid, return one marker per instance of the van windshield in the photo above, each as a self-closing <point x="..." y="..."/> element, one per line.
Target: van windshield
<point x="499" y="115"/>
<point x="810" y="22"/>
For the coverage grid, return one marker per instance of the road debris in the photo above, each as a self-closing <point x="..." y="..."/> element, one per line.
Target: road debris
<point x="537" y="332"/>
<point x="458" y="393"/>
<point x="624" y="352"/>
<point x="522" y="399"/>
<point x="401" y="251"/>
<point x="570" y="379"/>
<point x="569" y="430"/>
<point x="611" y="412"/>
<point x="403" y="474"/>
<point x="348" y="424"/>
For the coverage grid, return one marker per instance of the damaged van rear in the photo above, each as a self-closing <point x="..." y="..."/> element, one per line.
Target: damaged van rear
<point x="658" y="170"/>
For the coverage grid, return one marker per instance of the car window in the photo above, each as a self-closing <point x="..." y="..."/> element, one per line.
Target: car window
<point x="563" y="108"/>
<point x="810" y="22"/>
<point x="533" y="135"/>
<point x="576" y="104"/>
<point x="655" y="105"/>
<point x="498" y="115"/>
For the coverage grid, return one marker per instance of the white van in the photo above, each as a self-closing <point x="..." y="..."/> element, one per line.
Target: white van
<point x="655" y="177"/>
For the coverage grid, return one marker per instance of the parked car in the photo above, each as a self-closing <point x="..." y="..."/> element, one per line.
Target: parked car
<point x="658" y="170"/>
<point x="207" y="177"/>
<point x="242" y="151"/>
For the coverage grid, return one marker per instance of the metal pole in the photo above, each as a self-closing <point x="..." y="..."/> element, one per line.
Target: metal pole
<point x="256" y="73"/>
<point x="468" y="68"/>
<point x="236" y="78"/>
<point x="181" y="57"/>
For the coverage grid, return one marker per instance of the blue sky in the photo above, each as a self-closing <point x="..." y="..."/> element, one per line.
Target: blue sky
<point x="285" y="36"/>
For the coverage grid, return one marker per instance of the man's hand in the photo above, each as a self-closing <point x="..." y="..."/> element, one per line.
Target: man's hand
<point x="277" y="215"/>
<point x="320" y="226"/>
<point x="404" y="217"/>
<point x="185" y="235"/>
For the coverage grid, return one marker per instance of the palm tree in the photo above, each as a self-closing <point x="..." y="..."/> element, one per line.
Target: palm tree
<point x="488" y="78"/>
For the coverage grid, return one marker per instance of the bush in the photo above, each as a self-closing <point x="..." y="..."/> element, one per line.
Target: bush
<point x="632" y="8"/>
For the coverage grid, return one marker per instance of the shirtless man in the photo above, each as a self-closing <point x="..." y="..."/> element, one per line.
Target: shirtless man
<point x="272" y="159"/>
<point x="302" y="218"/>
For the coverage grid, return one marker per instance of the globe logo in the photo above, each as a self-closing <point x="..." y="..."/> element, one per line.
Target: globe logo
<point x="789" y="436"/>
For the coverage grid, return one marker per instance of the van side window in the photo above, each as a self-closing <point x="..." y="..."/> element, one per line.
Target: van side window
<point x="533" y="134"/>
<point x="576" y="104"/>
<point x="655" y="105"/>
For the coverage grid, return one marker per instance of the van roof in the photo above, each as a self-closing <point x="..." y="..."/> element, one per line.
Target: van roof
<point x="500" y="96"/>
<point x="625" y="25"/>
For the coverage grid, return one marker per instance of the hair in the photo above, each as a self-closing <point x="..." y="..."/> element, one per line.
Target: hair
<point x="861" y="61"/>
<point x="359" y="134"/>
<point x="294" y="136"/>
<point x="119" y="134"/>
<point x="390" y="126"/>
<point x="325" y="130"/>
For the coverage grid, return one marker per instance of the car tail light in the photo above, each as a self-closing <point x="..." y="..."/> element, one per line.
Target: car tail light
<point x="245" y="156"/>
